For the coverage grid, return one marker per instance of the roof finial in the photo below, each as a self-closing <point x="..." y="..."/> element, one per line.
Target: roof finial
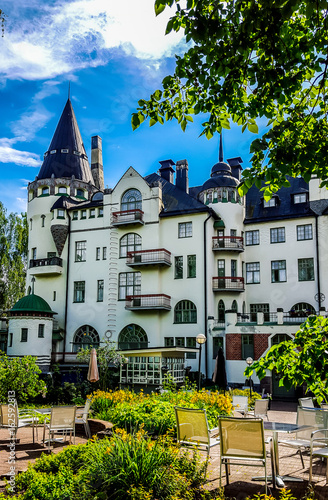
<point x="69" y="89"/>
<point x="221" y="149"/>
<point x="33" y="281"/>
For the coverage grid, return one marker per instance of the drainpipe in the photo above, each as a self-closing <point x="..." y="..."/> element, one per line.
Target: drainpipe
<point x="67" y="274"/>
<point x="317" y="258"/>
<point x="205" y="297"/>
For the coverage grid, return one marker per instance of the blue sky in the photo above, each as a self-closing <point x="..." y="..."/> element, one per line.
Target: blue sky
<point x="113" y="53"/>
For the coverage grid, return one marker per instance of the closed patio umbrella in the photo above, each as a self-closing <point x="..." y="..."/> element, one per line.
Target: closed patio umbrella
<point x="93" y="374"/>
<point x="220" y="375"/>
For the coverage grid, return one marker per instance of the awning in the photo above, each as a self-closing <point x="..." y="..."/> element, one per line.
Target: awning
<point x="218" y="223"/>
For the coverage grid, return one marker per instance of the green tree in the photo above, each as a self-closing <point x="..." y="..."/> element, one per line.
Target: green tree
<point x="13" y="257"/>
<point x="249" y="59"/>
<point x="300" y="361"/>
<point x="21" y="376"/>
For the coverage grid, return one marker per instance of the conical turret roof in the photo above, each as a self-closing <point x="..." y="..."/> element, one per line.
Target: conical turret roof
<point x="66" y="155"/>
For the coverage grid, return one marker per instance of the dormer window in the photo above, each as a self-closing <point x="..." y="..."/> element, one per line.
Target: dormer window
<point x="64" y="150"/>
<point x="76" y="153"/>
<point x="60" y="213"/>
<point x="62" y="190"/>
<point x="299" y="198"/>
<point x="80" y="192"/>
<point x="45" y="190"/>
<point x="45" y="154"/>
<point x="53" y="151"/>
<point x="269" y="203"/>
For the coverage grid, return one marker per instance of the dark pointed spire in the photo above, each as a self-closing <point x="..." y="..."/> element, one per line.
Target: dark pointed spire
<point x="66" y="155"/>
<point x="221" y="149"/>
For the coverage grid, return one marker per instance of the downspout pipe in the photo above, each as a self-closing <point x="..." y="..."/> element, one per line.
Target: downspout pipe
<point x="205" y="296"/>
<point x="67" y="275"/>
<point x="317" y="258"/>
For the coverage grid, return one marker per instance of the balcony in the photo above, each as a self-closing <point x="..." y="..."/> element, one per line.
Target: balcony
<point x="230" y="243"/>
<point x="228" y="284"/>
<point x="47" y="267"/>
<point x="128" y="217"/>
<point x="150" y="302"/>
<point x="158" y="257"/>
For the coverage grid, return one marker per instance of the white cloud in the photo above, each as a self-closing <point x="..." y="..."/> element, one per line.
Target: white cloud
<point x="29" y="124"/>
<point x="55" y="38"/>
<point x="11" y="155"/>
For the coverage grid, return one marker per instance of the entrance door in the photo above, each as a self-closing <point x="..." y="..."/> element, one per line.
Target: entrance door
<point x="280" y="392"/>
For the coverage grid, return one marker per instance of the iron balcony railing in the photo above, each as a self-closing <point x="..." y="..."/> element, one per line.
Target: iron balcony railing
<point x="229" y="283"/>
<point x="234" y="243"/>
<point x="160" y="256"/>
<point x="134" y="216"/>
<point x="153" y="301"/>
<point x="51" y="261"/>
<point x="297" y="317"/>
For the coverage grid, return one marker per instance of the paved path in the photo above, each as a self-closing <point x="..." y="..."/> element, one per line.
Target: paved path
<point x="240" y="486"/>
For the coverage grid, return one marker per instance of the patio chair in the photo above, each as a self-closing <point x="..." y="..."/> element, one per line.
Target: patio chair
<point x="324" y="406"/>
<point x="260" y="409"/>
<point x="312" y="419"/>
<point x="82" y="418"/>
<point x="12" y="418"/>
<point x="306" y="402"/>
<point x="242" y="443"/>
<point x="193" y="430"/>
<point x="62" y="421"/>
<point x="320" y="437"/>
<point x="240" y="404"/>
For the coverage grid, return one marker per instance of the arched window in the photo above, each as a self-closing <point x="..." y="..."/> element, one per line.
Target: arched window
<point x="185" y="312"/>
<point x="131" y="200"/>
<point x="221" y="311"/>
<point x="302" y="309"/>
<point x="130" y="242"/>
<point x="62" y="190"/>
<point x="234" y="306"/>
<point x="132" y="337"/>
<point x="45" y="190"/>
<point x="279" y="337"/>
<point x="85" y="337"/>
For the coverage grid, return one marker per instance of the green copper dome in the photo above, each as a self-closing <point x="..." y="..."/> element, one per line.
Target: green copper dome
<point x="32" y="303"/>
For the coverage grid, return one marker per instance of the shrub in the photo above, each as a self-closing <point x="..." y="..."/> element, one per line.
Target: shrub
<point x="20" y="376"/>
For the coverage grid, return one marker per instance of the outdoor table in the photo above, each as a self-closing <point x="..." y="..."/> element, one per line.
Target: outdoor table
<point x="275" y="428"/>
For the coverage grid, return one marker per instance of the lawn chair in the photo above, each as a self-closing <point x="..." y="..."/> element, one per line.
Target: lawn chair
<point x="306" y="402"/>
<point x="324" y="406"/>
<point x="242" y="443"/>
<point x="193" y="430"/>
<point x="260" y="409"/>
<point x="322" y="437"/>
<point x="312" y="419"/>
<point x="82" y="418"/>
<point x="62" y="421"/>
<point x="240" y="404"/>
<point x="14" y="419"/>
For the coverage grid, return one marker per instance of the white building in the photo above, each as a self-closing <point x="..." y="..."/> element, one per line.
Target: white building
<point x="152" y="262"/>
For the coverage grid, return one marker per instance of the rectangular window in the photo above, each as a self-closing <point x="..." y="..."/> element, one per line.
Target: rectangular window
<point x="253" y="237"/>
<point x="92" y="214"/>
<point x="33" y="253"/>
<point x="252" y="272"/>
<point x="83" y="214"/>
<point x="247" y="346"/>
<point x="269" y="203"/>
<point x="217" y="343"/>
<point x="179" y="341"/>
<point x="191" y="342"/>
<point x="41" y="331"/>
<point x="304" y="232"/>
<point x="185" y="230"/>
<point x="191" y="266"/>
<point x="104" y="253"/>
<point x="60" y="213"/>
<point x="100" y="212"/>
<point x="24" y="332"/>
<point x="10" y="341"/>
<point x="178" y="268"/>
<point x="277" y="235"/>
<point x="233" y="268"/>
<point x="98" y="253"/>
<point x="306" y="269"/>
<point x="129" y="284"/>
<point x="255" y="308"/>
<point x="79" y="291"/>
<point x="54" y="296"/>
<point x="168" y="341"/>
<point x="75" y="215"/>
<point x="278" y="271"/>
<point x="100" y="290"/>
<point x="80" y="251"/>
<point x="299" y="198"/>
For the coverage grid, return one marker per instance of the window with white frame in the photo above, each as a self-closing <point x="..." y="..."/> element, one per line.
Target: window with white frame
<point x="299" y="198"/>
<point x="185" y="230"/>
<point x="252" y="272"/>
<point x="304" y="232"/>
<point x="252" y="237"/>
<point x="269" y="203"/>
<point x="277" y="235"/>
<point x="278" y="271"/>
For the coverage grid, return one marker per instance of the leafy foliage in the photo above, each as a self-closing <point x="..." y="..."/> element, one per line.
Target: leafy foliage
<point x="248" y="60"/>
<point x="13" y="257"/>
<point x="300" y="361"/>
<point x="20" y="375"/>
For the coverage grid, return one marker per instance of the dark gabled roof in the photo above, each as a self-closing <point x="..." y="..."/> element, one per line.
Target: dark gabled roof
<point x="175" y="200"/>
<point x="285" y="207"/>
<point x="66" y="137"/>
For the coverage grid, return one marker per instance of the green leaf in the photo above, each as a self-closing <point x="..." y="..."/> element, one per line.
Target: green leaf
<point x="252" y="127"/>
<point x="152" y="122"/>
<point x="159" y="7"/>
